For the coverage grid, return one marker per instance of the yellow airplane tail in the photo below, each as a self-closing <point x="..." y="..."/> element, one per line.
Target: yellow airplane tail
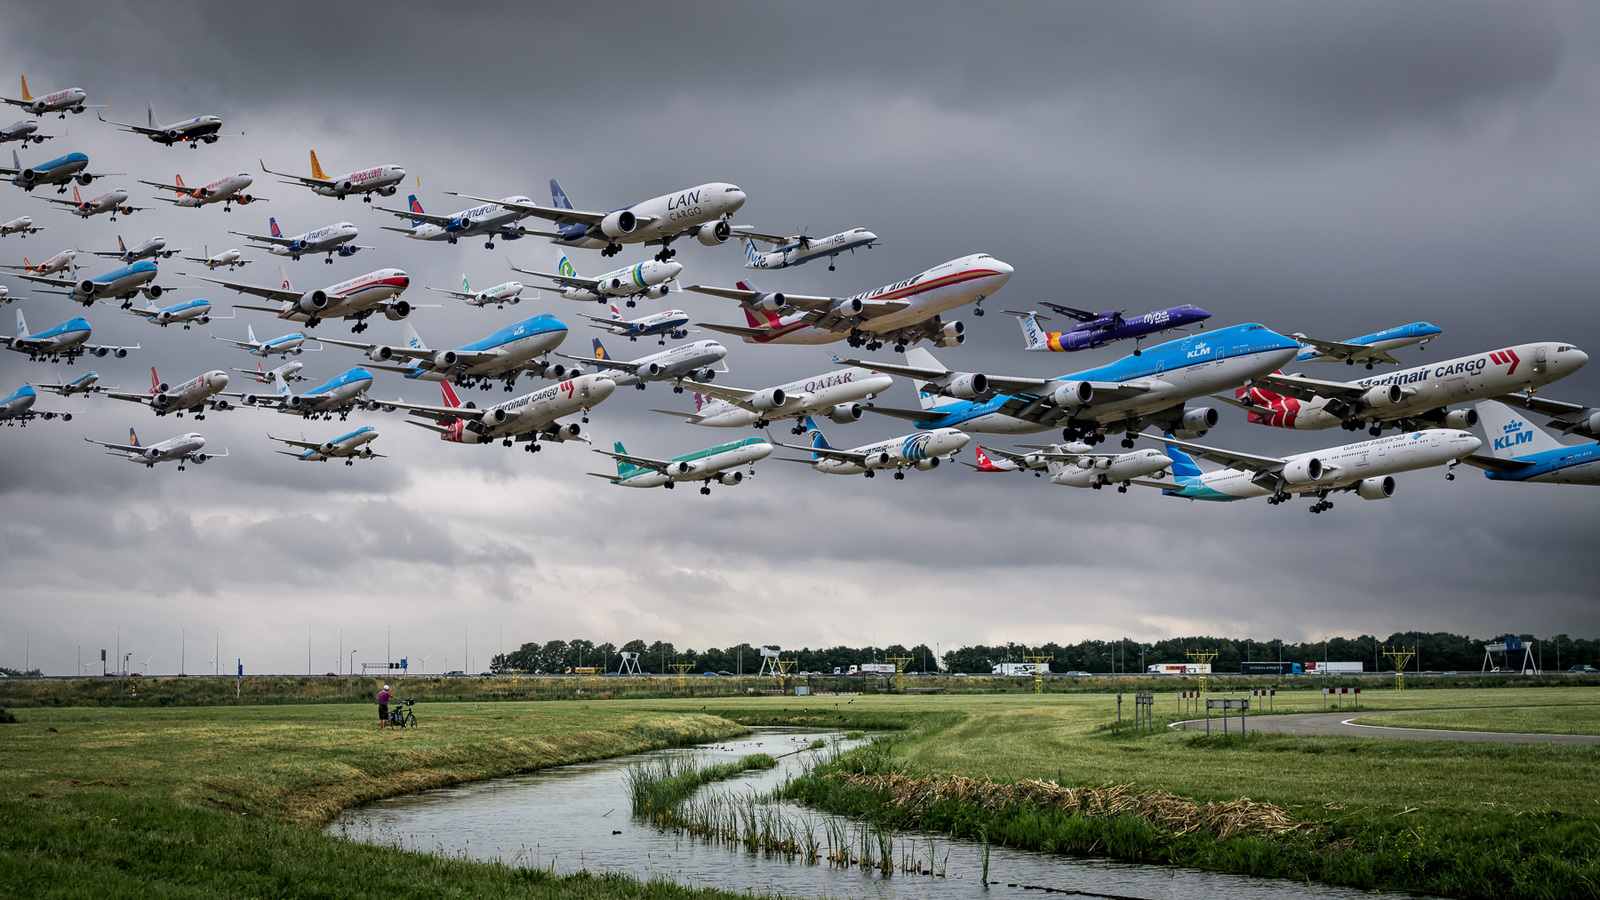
<point x="316" y="167"/>
<point x="25" y="95"/>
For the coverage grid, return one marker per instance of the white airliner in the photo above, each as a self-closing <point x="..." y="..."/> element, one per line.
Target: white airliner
<point x="230" y="258"/>
<point x="22" y="225"/>
<point x="797" y="249"/>
<point x="225" y="190"/>
<point x="1077" y="464"/>
<point x="700" y="212"/>
<point x="194" y="395"/>
<point x="149" y="248"/>
<point x="920" y="450"/>
<point x="349" y="447"/>
<point x="499" y="295"/>
<point x="1366" y="468"/>
<point x="338" y="395"/>
<point x="87" y="383"/>
<point x="183" y="448"/>
<point x="901" y="313"/>
<point x="713" y="464"/>
<point x="382" y="180"/>
<point x="113" y="201"/>
<point x="692" y="360"/>
<point x="71" y="99"/>
<point x="502" y="355"/>
<point x="289" y="371"/>
<point x="495" y="218"/>
<point x="67" y="340"/>
<point x="17" y="407"/>
<point x="195" y="130"/>
<point x="1407" y="399"/>
<point x="839" y="395"/>
<point x="5" y="296"/>
<point x="662" y="324"/>
<point x="24" y="130"/>
<point x="280" y="346"/>
<point x="354" y="298"/>
<point x="60" y="262"/>
<point x="329" y="239"/>
<point x="529" y="418"/>
<point x="649" y="280"/>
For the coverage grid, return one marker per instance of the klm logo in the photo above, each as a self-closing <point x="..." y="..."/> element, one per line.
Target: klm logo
<point x="1512" y="439"/>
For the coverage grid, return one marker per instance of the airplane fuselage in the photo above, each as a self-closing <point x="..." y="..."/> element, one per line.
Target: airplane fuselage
<point x="191" y="394"/>
<point x="20" y="225"/>
<point x="19" y="403"/>
<point x="60" y="170"/>
<point x="796" y="253"/>
<point x="659" y="217"/>
<point x="188" y="311"/>
<point x="670" y="322"/>
<point x="377" y="180"/>
<point x="818" y="395"/>
<point x="532" y="413"/>
<point x="679" y="362"/>
<point x="1381" y="341"/>
<point x="353" y="296"/>
<point x="1088" y="471"/>
<point x="513" y="348"/>
<point x="123" y="282"/>
<point x="109" y="202"/>
<point x="20" y="131"/>
<point x="920" y="450"/>
<point x="704" y="465"/>
<point x="64" y="339"/>
<point x="71" y="99"/>
<point x="628" y="281"/>
<point x="1340" y="467"/>
<point x="224" y="190"/>
<point x="486" y="218"/>
<point x="348" y="445"/>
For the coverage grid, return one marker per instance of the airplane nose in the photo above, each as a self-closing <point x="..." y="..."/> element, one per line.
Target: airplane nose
<point x="600" y="388"/>
<point x="1577" y="358"/>
<point x="673" y="268"/>
<point x="1004" y="268"/>
<point x="1471" y="441"/>
<point x="220" y="379"/>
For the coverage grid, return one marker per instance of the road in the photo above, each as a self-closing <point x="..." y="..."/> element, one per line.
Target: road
<point x="1341" y="724"/>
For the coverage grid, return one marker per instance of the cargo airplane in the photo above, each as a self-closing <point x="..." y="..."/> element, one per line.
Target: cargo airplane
<point x="530" y="418"/>
<point x="501" y="356"/>
<point x="649" y="280"/>
<point x="1522" y="451"/>
<point x="195" y="130"/>
<point x="329" y="239"/>
<point x="714" y="464"/>
<point x="193" y="396"/>
<point x="183" y="448"/>
<point x="920" y="451"/>
<point x="67" y="340"/>
<point x="383" y="180"/>
<point x="354" y="298"/>
<point x="839" y="395"/>
<point x="225" y="190"/>
<point x="349" y="447"/>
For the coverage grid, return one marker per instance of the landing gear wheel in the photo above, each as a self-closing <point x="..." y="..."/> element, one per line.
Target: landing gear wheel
<point x="899" y="476"/>
<point x="705" y="490"/>
<point x="1127" y="443"/>
<point x="871" y="474"/>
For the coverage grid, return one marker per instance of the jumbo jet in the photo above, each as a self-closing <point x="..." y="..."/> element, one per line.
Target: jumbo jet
<point x="1128" y="395"/>
<point x="717" y="464"/>
<point x="839" y="395"/>
<point x="280" y="346"/>
<point x="649" y="280"/>
<point x="902" y="313"/>
<point x="1095" y="329"/>
<point x="225" y="190"/>
<point x="798" y="249"/>
<point x="1076" y="464"/>
<point x="183" y="448"/>
<point x="1410" y="398"/>
<point x="494" y="219"/>
<point x="1568" y="417"/>
<point x="185" y="313"/>
<point x="499" y="295"/>
<point x="230" y="258"/>
<point x="87" y="383"/>
<point x="122" y="283"/>
<point x="1522" y="451"/>
<point x="663" y="325"/>
<point x="71" y="99"/>
<point x="530" y="418"/>
<point x="1370" y="349"/>
<point x="113" y="201"/>
<point x="61" y="171"/>
<point x="24" y="130"/>
<point x="1366" y="468"/>
<point x="501" y="356"/>
<point x="349" y="447"/>
<point x="700" y="212"/>
<point x="920" y="451"/>
<point x="289" y="371"/>
<point x="692" y="360"/>
<point x="338" y="395"/>
<point x="17" y="408"/>
<point x="149" y="248"/>
<point x="22" y="225"/>
<point x="383" y="180"/>
<point x="193" y="396"/>
<point x="60" y="262"/>
<point x="195" y="130"/>
<point x="329" y="239"/>
<point x="354" y="298"/>
<point x="67" y="340"/>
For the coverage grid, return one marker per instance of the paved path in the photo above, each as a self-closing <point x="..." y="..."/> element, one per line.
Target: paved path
<point x="1341" y="724"/>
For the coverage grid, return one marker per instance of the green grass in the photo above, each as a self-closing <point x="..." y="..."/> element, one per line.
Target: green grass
<point x="1527" y="720"/>
<point x="663" y="784"/>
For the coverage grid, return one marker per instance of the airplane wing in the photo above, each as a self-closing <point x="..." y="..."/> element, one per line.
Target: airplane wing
<point x="1230" y="458"/>
<point x="563" y="280"/>
<point x="830" y="453"/>
<point x="738" y="396"/>
<point x="620" y="364"/>
<point x="798" y="301"/>
<point x="643" y="462"/>
<point x="167" y="187"/>
<point x="407" y="352"/>
<point x="552" y="213"/>
<point x="109" y="348"/>
<point x="746" y="231"/>
<point x="739" y="330"/>
<point x="1496" y="464"/>
<point x="1081" y="315"/>
<point x="459" y="295"/>
<point x="429" y="218"/>
<point x="298" y="179"/>
<point x="61" y="390"/>
<point x="1571" y="418"/>
<point x="136" y="129"/>
<point x="1103" y="390"/>
<point x="284" y="295"/>
<point x="266" y="238"/>
<point x="308" y="445"/>
<point x="1303" y="388"/>
<point x="143" y="397"/>
<point x="50" y="280"/>
<point x="124" y="448"/>
<point x="205" y="259"/>
<point x="1340" y="350"/>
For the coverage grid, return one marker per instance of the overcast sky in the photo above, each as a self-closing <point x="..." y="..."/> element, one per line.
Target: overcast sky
<point x="1332" y="169"/>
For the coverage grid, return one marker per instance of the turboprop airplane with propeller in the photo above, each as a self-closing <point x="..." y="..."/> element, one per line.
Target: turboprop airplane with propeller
<point x="1370" y="349"/>
<point x="280" y="346"/>
<point x="920" y="450"/>
<point x="66" y="340"/>
<point x="289" y="371"/>
<point x="798" y="249"/>
<point x="66" y="259"/>
<point x="113" y="201"/>
<point x="1128" y="395"/>
<point x="22" y="225"/>
<point x="122" y="283"/>
<point x="349" y="447"/>
<point x="700" y="212"/>
<point x="840" y="395"/>
<point x="1410" y="398"/>
<point x="192" y="396"/>
<point x="336" y="396"/>
<point x="1366" y="468"/>
<point x="329" y="239"/>
<point x="663" y="325"/>
<point x="230" y="258"/>
<point x="149" y="248"/>
<point x="711" y="465"/>
<point x="356" y="298"/>
<point x="530" y="418"/>
<point x="225" y="190"/>
<point x="60" y="171"/>
<point x="1076" y="464"/>
<point x="902" y="313"/>
<point x="17" y="408"/>
<point x="87" y="383"/>
<point x="1522" y="451"/>
<point x="24" y="130"/>
<point x="499" y="295"/>
<point x="1095" y="329"/>
<point x="694" y="360"/>
<point x="383" y="180"/>
<point x="181" y="449"/>
<point x="493" y="219"/>
<point x="192" y="131"/>
<point x="501" y="356"/>
<point x="70" y="100"/>
<point x="649" y="280"/>
<point x="185" y="313"/>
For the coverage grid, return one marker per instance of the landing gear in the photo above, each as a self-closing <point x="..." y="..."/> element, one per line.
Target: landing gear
<point x="677" y="389"/>
<point x="506" y="442"/>
<point x="1376" y="430"/>
<point x="900" y="347"/>
<point x="611" y="249"/>
<point x="1450" y="471"/>
<point x="978" y="310"/>
<point x="329" y="260"/>
<point x="762" y="424"/>
<point x="666" y="253"/>
<point x="670" y="485"/>
<point x="1127" y="442"/>
<point x="631" y="302"/>
<point x="899" y="476"/>
<point x="1122" y="488"/>
<point x="705" y="489"/>
<point x="1321" y="505"/>
<point x="871" y="474"/>
<point x="798" y="429"/>
<point x="640" y="385"/>
<point x="488" y="245"/>
<point x="358" y="328"/>
<point x="1277" y="498"/>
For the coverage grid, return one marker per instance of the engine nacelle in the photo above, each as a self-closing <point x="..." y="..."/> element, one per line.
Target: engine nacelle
<point x="1072" y="393"/>
<point x="845" y="413"/>
<point x="571" y="431"/>
<point x="679" y="334"/>
<point x="101" y="351"/>
<point x="327" y="447"/>
<point x="163" y="318"/>
<point x="381" y="353"/>
<point x="950" y="342"/>
<point x="84" y="179"/>
<point x="343" y="187"/>
<point x="851" y="307"/>
<point x="1592" y="424"/>
<point x="1304" y="471"/>
<point x="397" y="310"/>
<point x="26" y="175"/>
<point x="162" y="389"/>
<point x="152" y="453"/>
<point x="251" y="399"/>
<point x="169" y="136"/>
<point x="771" y="398"/>
<point x="495" y="416"/>
<point x="312" y="302"/>
<point x="680" y="468"/>
<point x="128" y="210"/>
<point x="769" y="303"/>
<point x="652" y="369"/>
<point x="619" y="223"/>
<point x="1382" y="396"/>
<point x="730" y="478"/>
<point x="122" y="353"/>
<point x="87" y="288"/>
<point x="162" y="398"/>
<point x="1375" y="488"/>
<point x="348" y="250"/>
<point x="966" y="386"/>
<point x="1460" y="418"/>
<point x="222" y="406"/>
<point x="388" y="191"/>
<point x="200" y="458"/>
<point x="204" y="320"/>
<point x="876" y="460"/>
<point x="953" y="329"/>
<point x="244" y="199"/>
<point x="154" y="291"/>
<point x="712" y="235"/>
<point x="461" y="224"/>
<point x="296" y="246"/>
<point x="653" y="292"/>
<point x="296" y="402"/>
<point x="1195" y="423"/>
<point x="924" y="465"/>
<point x="445" y="359"/>
<point x="705" y="375"/>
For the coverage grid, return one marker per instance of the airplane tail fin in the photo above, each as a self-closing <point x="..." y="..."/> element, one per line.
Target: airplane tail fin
<point x="558" y="197"/>
<point x="150" y="114"/>
<point x="412" y="339"/>
<point x="178" y="180"/>
<point x="751" y="255"/>
<point x="272" y="222"/>
<point x="250" y="333"/>
<point x="120" y="245"/>
<point x="415" y="205"/>
<point x="22" y="325"/>
<point x="133" y="438"/>
<point x="75" y="196"/>
<point x="466" y="288"/>
<point x="25" y="95"/>
<point x="616" y="314"/>
<point x="282" y="388"/>
<point x="1184" y="468"/>
<point x="599" y="350"/>
<point x="1033" y="336"/>
<point x="624" y="468"/>
<point x="700" y="401"/>
<point x="1511" y="436"/>
<point x="985" y="464"/>
<point x="316" y="167"/>
<point x="762" y="320"/>
<point x="1268" y="407"/>
<point x="155" y="381"/>
<point x="921" y="357"/>
<point x="449" y="393"/>
<point x="283" y="274"/>
<point x="566" y="268"/>
<point x="815" y="434"/>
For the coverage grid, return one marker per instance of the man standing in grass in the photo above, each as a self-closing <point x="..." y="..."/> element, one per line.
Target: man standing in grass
<point x="383" y="706"/>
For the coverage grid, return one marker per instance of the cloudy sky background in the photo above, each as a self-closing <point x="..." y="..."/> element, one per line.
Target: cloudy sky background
<point x="1332" y="170"/>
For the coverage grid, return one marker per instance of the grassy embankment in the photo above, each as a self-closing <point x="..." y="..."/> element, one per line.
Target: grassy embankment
<point x="227" y="802"/>
<point x="1527" y="720"/>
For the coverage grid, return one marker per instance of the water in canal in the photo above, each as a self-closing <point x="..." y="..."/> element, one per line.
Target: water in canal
<point x="577" y="817"/>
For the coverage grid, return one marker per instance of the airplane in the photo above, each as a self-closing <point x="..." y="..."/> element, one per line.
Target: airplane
<point x="230" y="258"/>
<point x="1407" y="399"/>
<point x="798" y="249"/>
<point x="189" y="311"/>
<point x="60" y="171"/>
<point x="349" y="447"/>
<point x="920" y="450"/>
<point x="901" y="313"/>
<point x="1077" y="464"/>
<point x="22" y="225"/>
<point x="383" y="180"/>
<point x="683" y="361"/>
<point x="499" y="295"/>
<point x="1128" y="395"/>
<point x="61" y="261"/>
<point x="224" y="190"/>
<point x="87" y="383"/>
<point x="338" y="395"/>
<point x="200" y="128"/>
<point x="113" y="201"/>
<point x="713" y="464"/>
<point x="494" y="219"/>
<point x="71" y="99"/>
<point x="329" y="239"/>
<point x="1522" y="451"/>
<point x="280" y="346"/>
<point x="183" y="448"/>
<point x="24" y="131"/>
<point x="122" y="283"/>
<point x="502" y="355"/>
<point x="650" y="280"/>
<point x="837" y="395"/>
<point x="1367" y="468"/>
<point x="289" y="371"/>
<point x="356" y="298"/>
<point x="662" y="324"/>
<point x="1570" y="418"/>
<point x="149" y="248"/>
<point x="701" y="212"/>
<point x="192" y="396"/>
<point x="66" y="340"/>
<point x="530" y="418"/>
<point x="1097" y="329"/>
<point x="1369" y="348"/>
<point x="5" y="296"/>
<point x="17" y="408"/>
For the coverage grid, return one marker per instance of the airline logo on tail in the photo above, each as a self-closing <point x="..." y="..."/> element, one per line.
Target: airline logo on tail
<point x="700" y="401"/>
<point x="155" y="381"/>
<point x="316" y="167"/>
<point x="750" y="251"/>
<point x="600" y="350"/>
<point x="985" y="464"/>
<point x="558" y="198"/>
<point x="25" y="94"/>
<point x="133" y="438"/>
<point x="178" y="180"/>
<point x="465" y="287"/>
<point x="625" y="469"/>
<point x="120" y="245"/>
<point x="1269" y="408"/>
<point x="763" y="320"/>
<point x="273" y="225"/>
<point x="415" y="206"/>
<point x="567" y="269"/>
<point x="616" y="314"/>
<point x="22" y="325"/>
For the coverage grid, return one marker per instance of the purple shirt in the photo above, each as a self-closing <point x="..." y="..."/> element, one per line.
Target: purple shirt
<point x="383" y="698"/>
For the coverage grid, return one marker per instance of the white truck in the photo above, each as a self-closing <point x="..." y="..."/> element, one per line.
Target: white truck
<point x="1335" y="668"/>
<point x="1023" y="668"/>
<point x="866" y="669"/>
<point x="1179" y="669"/>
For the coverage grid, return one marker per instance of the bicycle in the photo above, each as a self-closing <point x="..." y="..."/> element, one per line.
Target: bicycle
<point x="402" y="716"/>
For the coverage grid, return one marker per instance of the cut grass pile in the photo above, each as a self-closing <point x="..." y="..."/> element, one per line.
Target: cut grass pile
<point x="1526" y="720"/>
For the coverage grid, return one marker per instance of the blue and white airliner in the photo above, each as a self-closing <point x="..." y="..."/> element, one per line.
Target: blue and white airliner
<point x="493" y="219"/>
<point x="338" y="395"/>
<point x="502" y="355"/>
<point x="17" y="408"/>
<point x="798" y="249"/>
<point x="87" y="383"/>
<point x="920" y="451"/>
<point x="185" y="313"/>
<point x="59" y="171"/>
<point x="1522" y="451"/>
<point x="349" y="447"/>
<point x="123" y="284"/>
<point x="66" y="340"/>
<point x="280" y="346"/>
<point x="1369" y="348"/>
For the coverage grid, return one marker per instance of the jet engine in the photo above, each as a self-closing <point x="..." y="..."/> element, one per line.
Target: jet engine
<point x="771" y="398"/>
<point x="845" y="413"/>
<point x="619" y="223"/>
<point x="101" y="351"/>
<point x="730" y="478"/>
<point x="652" y="369"/>
<point x="1305" y="471"/>
<point x="26" y="175"/>
<point x="327" y="447"/>
<point x="705" y="375"/>
<point x="152" y="453"/>
<point x="342" y="187"/>
<point x="1195" y="423"/>
<point x="851" y="307"/>
<point x="712" y="235"/>
<point x="244" y="199"/>
<point x="348" y="250"/>
<point x="312" y="302"/>
<point x="222" y="406"/>
<point x="84" y="178"/>
<point x="966" y="385"/>
<point x="1381" y="488"/>
<point x="154" y="291"/>
<point x="770" y="303"/>
<point x="199" y="458"/>
<point x="445" y="359"/>
<point x="680" y="468"/>
<point x="380" y="353"/>
<point x="122" y="353"/>
<point x="1382" y="396"/>
<point x="678" y="335"/>
<point x="1592" y="424"/>
<point x="163" y="318"/>
<point x="87" y="288"/>
<point x="397" y="310"/>
<point x="924" y="465"/>
<point x="1072" y="393"/>
<point x="128" y="210"/>
<point x="949" y="341"/>
<point x="169" y="136"/>
<point x="296" y="246"/>
<point x="1460" y="418"/>
<point x="876" y="460"/>
<point x="571" y="431"/>
<point x="495" y="416"/>
<point x="653" y="292"/>
<point x="162" y="388"/>
<point x="204" y="320"/>
<point x="161" y="399"/>
<point x="296" y="402"/>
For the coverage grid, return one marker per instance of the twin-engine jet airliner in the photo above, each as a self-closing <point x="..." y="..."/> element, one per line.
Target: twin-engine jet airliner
<point x="123" y="284"/>
<point x="348" y="447"/>
<point x="714" y="464"/>
<point x="1076" y="464"/>
<point x="921" y="450"/>
<point x="354" y="298"/>
<point x="70" y="100"/>
<point x="66" y="340"/>
<point x="382" y="180"/>
<point x="692" y="360"/>
<point x="498" y="296"/>
<point x="649" y="280"/>
<point x="329" y="239"/>
<point x="183" y="448"/>
<point x="61" y="171"/>
<point x="193" y="396"/>
<point x="493" y="219"/>
<point x="24" y="131"/>
<point x="193" y="131"/>
<point x="225" y="190"/>
<point x="530" y="418"/>
<point x="113" y="201"/>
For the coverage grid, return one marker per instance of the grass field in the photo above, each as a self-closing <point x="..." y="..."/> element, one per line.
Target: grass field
<point x="1528" y="720"/>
